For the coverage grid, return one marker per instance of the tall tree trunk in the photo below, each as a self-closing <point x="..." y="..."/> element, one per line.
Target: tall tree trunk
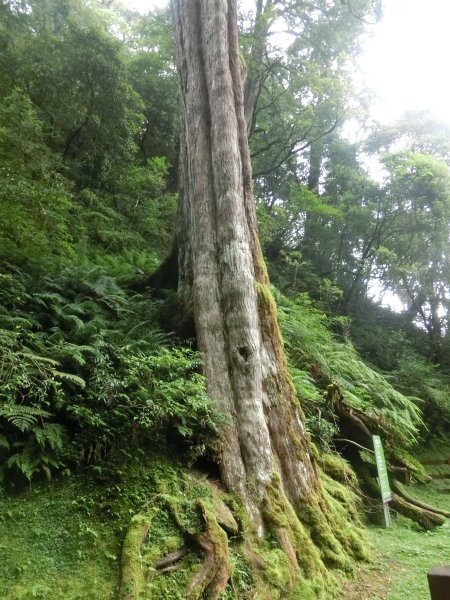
<point x="265" y="457"/>
<point x="221" y="263"/>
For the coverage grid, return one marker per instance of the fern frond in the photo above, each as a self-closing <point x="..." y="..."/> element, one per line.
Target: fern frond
<point x="70" y="377"/>
<point x="51" y="434"/>
<point x="23" y="462"/>
<point x="22" y="416"/>
<point x="75" y="321"/>
<point x="48" y="299"/>
<point x="38" y="359"/>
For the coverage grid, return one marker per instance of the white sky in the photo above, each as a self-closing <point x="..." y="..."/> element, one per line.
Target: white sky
<point x="407" y="59"/>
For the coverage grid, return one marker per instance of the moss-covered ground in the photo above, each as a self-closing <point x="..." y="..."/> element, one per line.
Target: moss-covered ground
<point x="51" y="547"/>
<point x="62" y="539"/>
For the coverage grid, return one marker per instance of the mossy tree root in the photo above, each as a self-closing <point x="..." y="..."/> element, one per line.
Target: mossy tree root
<point x="424" y="518"/>
<point x="216" y="570"/>
<point x="316" y="538"/>
<point x="300" y="556"/>
<point x="415" y="502"/>
<point x="132" y="575"/>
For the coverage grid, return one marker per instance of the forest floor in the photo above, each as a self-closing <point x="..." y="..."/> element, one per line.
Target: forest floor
<point x="57" y="544"/>
<point x="404" y="553"/>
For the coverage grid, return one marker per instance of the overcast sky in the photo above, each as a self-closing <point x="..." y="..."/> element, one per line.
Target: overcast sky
<point x="406" y="62"/>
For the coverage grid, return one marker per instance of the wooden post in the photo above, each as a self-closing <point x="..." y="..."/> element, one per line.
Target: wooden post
<point x="439" y="583"/>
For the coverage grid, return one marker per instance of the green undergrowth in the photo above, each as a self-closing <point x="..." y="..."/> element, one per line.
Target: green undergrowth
<point x="63" y="539"/>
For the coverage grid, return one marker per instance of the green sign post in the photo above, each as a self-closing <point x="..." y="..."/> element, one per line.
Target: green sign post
<point x="383" y="479"/>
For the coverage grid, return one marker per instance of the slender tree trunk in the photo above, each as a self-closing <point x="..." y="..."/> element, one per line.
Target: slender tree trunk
<point x="222" y="267"/>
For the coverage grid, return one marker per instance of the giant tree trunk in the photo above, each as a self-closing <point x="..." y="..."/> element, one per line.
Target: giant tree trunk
<point x="221" y="265"/>
<point x="265" y="457"/>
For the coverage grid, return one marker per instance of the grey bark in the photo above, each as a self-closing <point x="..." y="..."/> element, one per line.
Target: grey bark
<point x="220" y="264"/>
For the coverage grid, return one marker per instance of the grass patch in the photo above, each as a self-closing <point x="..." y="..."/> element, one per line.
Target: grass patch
<point x="405" y="553"/>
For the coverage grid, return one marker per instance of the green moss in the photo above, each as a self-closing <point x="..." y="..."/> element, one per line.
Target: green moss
<point x="279" y="570"/>
<point x="279" y="514"/>
<point x="52" y="549"/>
<point x="62" y="540"/>
<point x="337" y="468"/>
<point x="133" y="573"/>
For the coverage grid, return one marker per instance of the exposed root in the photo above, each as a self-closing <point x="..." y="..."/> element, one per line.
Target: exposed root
<point x="216" y="569"/>
<point x="132" y="576"/>
<point x="418" y="503"/>
<point x="170" y="559"/>
<point x="293" y="559"/>
<point x="426" y="519"/>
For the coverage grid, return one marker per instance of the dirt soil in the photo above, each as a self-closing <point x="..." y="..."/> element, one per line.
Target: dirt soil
<point x="371" y="583"/>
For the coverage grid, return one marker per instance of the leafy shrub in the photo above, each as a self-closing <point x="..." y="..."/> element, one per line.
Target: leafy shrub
<point x="83" y="370"/>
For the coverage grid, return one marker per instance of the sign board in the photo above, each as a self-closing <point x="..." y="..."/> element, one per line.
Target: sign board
<point x="382" y="477"/>
<point x="382" y="470"/>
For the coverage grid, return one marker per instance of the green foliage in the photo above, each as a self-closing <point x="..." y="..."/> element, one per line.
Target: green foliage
<point x="84" y="214"/>
<point x="83" y="368"/>
<point x="35" y="202"/>
<point x="319" y="358"/>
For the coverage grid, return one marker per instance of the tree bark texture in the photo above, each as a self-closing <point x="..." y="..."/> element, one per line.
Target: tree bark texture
<point x="222" y="270"/>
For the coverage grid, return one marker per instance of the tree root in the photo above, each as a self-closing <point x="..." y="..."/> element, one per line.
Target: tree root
<point x="170" y="559"/>
<point x="425" y="518"/>
<point x="418" y="503"/>
<point x="132" y="576"/>
<point x="300" y="553"/>
<point x="216" y="569"/>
